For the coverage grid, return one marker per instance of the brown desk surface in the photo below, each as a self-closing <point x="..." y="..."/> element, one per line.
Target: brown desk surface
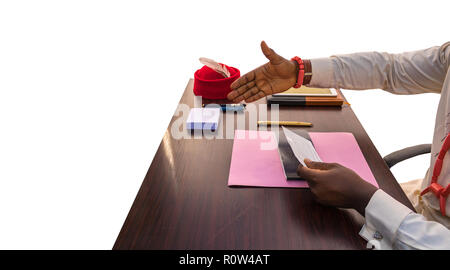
<point x="184" y="201"/>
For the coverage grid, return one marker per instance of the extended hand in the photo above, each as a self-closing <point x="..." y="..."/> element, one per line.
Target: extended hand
<point x="276" y="76"/>
<point x="335" y="185"/>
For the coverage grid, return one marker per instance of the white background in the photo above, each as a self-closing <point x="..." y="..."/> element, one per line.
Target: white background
<point x="87" y="89"/>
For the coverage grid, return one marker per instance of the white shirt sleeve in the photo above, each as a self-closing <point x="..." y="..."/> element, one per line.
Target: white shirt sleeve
<point x="391" y="225"/>
<point x="405" y="73"/>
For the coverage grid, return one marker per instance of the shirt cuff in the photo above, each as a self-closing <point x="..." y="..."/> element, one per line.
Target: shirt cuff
<point x="322" y="72"/>
<point x="384" y="215"/>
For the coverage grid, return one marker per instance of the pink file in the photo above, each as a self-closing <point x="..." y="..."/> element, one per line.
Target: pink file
<point x="342" y="148"/>
<point x="255" y="160"/>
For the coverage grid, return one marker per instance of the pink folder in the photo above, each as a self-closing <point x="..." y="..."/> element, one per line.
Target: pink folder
<point x="255" y="160"/>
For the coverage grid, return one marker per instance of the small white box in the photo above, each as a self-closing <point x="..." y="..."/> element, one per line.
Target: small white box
<point x="203" y="119"/>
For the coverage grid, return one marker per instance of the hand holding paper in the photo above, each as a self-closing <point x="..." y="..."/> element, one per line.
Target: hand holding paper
<point x="301" y="147"/>
<point x="335" y="185"/>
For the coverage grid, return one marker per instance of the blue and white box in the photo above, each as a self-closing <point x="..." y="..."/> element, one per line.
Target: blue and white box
<point x="203" y="119"/>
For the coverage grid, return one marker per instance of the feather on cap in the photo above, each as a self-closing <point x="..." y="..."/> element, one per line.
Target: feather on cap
<point x="215" y="66"/>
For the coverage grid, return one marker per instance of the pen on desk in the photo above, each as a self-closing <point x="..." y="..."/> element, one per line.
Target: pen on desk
<point x="285" y="123"/>
<point x="229" y="107"/>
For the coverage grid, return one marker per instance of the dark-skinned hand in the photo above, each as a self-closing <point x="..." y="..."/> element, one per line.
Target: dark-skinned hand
<point x="335" y="185"/>
<point x="278" y="75"/>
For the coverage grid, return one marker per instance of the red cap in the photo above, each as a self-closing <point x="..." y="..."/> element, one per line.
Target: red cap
<point x="211" y="85"/>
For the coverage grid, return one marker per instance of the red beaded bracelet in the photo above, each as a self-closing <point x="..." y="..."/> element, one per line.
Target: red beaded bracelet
<point x="301" y="71"/>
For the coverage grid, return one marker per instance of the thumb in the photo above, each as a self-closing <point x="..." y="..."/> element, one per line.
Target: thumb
<point x="270" y="54"/>
<point x="308" y="174"/>
<point x="318" y="165"/>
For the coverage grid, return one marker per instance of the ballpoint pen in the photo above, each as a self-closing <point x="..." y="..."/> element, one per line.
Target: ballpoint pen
<point x="285" y="123"/>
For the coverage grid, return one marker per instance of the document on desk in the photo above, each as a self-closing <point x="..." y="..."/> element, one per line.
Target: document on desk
<point x="251" y="165"/>
<point x="301" y="147"/>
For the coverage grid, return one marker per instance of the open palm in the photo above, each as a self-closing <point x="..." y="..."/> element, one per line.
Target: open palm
<point x="276" y="76"/>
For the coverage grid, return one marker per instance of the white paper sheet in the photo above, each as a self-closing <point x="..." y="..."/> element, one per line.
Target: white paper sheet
<point x="301" y="147"/>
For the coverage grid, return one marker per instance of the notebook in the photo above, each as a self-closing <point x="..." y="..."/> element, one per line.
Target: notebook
<point x="300" y="100"/>
<point x="308" y="91"/>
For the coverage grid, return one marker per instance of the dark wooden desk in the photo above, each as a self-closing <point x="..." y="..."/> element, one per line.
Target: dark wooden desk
<point x="184" y="201"/>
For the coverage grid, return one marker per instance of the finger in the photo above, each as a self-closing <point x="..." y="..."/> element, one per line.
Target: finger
<point x="258" y="95"/>
<point x="258" y="91"/>
<point x="244" y="88"/>
<point x="265" y="89"/>
<point x="308" y="174"/>
<point x="246" y="78"/>
<point x="318" y="165"/>
<point x="270" y="54"/>
<point x="237" y="85"/>
<point x="250" y="92"/>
